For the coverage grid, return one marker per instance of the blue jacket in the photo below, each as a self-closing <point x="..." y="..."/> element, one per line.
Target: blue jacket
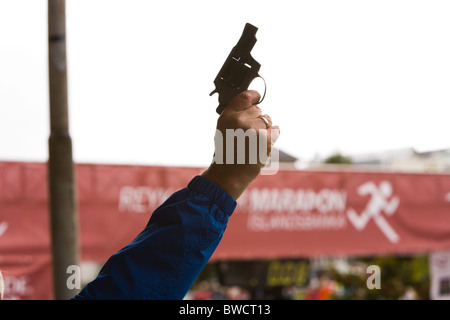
<point x="164" y="260"/>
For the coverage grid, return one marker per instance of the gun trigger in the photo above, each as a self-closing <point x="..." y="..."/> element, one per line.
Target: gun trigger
<point x="214" y="91"/>
<point x="265" y="89"/>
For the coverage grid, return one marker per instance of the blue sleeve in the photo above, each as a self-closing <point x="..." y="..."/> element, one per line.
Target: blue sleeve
<point x="164" y="260"/>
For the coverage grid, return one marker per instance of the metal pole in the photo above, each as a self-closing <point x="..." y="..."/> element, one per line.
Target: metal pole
<point x="63" y="211"/>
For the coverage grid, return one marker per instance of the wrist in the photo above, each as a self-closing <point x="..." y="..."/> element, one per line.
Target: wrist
<point x="233" y="178"/>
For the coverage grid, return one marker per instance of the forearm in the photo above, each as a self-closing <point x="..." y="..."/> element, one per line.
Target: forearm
<point x="196" y="219"/>
<point x="167" y="256"/>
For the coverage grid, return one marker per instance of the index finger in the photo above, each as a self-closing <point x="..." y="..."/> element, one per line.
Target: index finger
<point x="244" y="100"/>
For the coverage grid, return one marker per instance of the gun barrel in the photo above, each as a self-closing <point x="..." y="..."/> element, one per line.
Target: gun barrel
<point x="247" y="40"/>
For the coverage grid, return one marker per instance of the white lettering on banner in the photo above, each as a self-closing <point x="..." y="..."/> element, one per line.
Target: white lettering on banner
<point x="447" y="197"/>
<point x="294" y="209"/>
<point x="17" y="287"/>
<point x="378" y="202"/>
<point x="295" y="222"/>
<point x="142" y="199"/>
<point x="305" y="209"/>
<point x="290" y="200"/>
<point x="3" y="227"/>
<point x="290" y="209"/>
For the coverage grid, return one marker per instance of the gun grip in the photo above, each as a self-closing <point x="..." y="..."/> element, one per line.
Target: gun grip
<point x="220" y="108"/>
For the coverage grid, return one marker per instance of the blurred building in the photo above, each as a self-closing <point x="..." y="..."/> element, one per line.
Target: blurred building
<point x="285" y="160"/>
<point x="406" y="159"/>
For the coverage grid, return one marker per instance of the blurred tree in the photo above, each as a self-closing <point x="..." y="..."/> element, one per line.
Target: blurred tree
<point x="353" y="285"/>
<point x="398" y="275"/>
<point x="338" y="158"/>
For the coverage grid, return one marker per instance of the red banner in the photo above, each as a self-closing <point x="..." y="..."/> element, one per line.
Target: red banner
<point x="312" y="213"/>
<point x="290" y="214"/>
<point x="25" y="259"/>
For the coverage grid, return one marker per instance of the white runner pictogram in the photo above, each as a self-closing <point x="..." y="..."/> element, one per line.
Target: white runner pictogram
<point x="378" y="202"/>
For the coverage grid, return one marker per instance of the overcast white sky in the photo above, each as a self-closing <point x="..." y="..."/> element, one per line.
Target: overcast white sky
<point x="349" y="76"/>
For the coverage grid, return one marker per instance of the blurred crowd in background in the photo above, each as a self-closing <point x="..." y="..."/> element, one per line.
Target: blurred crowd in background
<point x="402" y="278"/>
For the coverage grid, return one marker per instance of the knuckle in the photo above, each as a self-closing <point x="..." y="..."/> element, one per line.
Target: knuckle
<point x="257" y="110"/>
<point x="246" y="96"/>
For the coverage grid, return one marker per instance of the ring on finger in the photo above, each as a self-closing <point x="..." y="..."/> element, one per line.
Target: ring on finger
<point x="266" y="121"/>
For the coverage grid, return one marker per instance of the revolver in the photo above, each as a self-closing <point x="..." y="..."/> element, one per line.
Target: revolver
<point x="239" y="69"/>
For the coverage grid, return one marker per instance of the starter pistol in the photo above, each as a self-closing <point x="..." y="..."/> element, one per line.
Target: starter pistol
<point x="239" y="69"/>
